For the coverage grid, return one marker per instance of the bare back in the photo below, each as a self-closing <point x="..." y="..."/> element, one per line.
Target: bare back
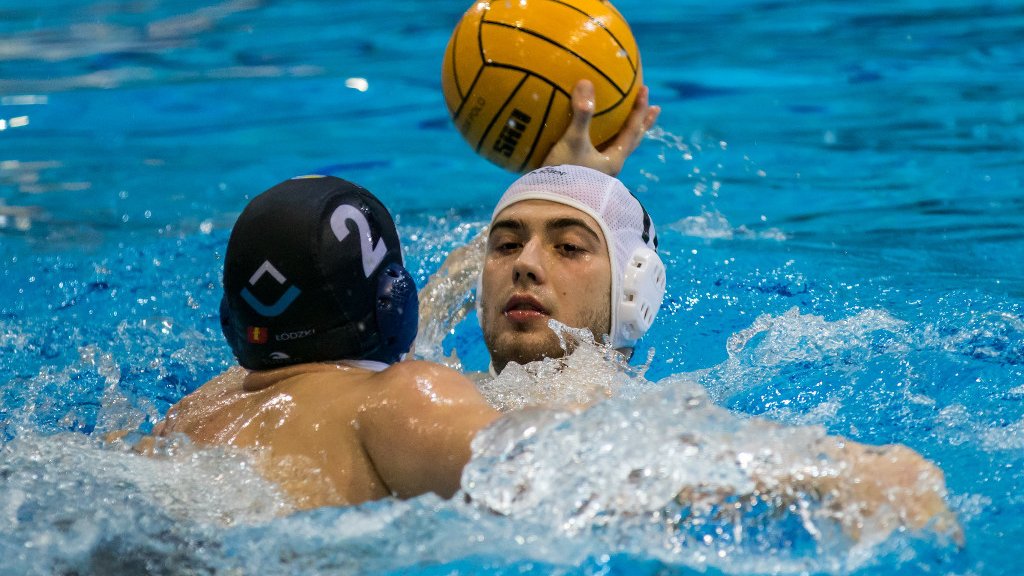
<point x="332" y="434"/>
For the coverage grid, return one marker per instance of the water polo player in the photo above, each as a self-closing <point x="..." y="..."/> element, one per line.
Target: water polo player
<point x="571" y="244"/>
<point x="319" y="310"/>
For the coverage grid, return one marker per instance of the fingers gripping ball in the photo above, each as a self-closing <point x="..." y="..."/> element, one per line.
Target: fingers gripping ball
<point x="511" y="65"/>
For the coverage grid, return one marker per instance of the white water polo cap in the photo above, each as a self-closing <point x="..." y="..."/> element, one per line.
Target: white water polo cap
<point x="638" y="274"/>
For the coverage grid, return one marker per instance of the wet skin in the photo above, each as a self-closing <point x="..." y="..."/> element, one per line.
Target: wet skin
<point x="332" y="434"/>
<point x="544" y="260"/>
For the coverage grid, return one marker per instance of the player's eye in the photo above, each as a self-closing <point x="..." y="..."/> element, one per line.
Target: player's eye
<point x="505" y="247"/>
<point x="570" y="249"/>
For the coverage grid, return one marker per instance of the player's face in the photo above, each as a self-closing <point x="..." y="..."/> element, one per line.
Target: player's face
<point x="544" y="260"/>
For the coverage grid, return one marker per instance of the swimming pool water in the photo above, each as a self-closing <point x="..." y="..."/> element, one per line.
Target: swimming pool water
<point x="838" y="190"/>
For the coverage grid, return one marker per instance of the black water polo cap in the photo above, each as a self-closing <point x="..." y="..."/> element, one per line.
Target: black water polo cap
<point x="313" y="273"/>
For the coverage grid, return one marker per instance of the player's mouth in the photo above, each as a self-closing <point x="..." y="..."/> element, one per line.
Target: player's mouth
<point x="524" y="308"/>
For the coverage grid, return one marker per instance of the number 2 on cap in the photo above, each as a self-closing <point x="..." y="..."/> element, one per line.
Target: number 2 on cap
<point x="373" y="253"/>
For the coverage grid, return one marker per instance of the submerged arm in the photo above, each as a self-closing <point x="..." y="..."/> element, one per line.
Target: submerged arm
<point x="864" y="488"/>
<point x="892" y="485"/>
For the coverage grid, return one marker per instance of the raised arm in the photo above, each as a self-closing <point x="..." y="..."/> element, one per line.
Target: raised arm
<point x="575" y="146"/>
<point x="417" y="430"/>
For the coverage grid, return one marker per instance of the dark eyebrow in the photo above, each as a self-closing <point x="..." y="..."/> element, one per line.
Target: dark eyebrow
<point x="505" y="224"/>
<point x="515" y="225"/>
<point x="563" y="223"/>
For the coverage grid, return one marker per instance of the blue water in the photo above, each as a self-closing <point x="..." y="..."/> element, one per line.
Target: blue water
<point x="838" y="189"/>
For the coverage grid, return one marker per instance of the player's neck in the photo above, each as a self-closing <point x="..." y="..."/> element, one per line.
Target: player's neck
<point x="260" y="379"/>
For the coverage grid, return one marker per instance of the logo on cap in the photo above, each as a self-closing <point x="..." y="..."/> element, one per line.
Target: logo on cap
<point x="548" y="170"/>
<point x="256" y="335"/>
<point x="282" y="303"/>
<point x="297" y="335"/>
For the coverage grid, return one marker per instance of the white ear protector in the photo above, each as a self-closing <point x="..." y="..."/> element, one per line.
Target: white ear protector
<point x="643" y="288"/>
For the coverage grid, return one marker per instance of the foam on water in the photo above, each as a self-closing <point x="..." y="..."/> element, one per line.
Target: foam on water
<point x="713" y="225"/>
<point x="591" y="374"/>
<point x="614" y="471"/>
<point x="72" y="505"/>
<point x="771" y="343"/>
<point x="448" y="297"/>
<point x="556" y="487"/>
<point x="563" y="488"/>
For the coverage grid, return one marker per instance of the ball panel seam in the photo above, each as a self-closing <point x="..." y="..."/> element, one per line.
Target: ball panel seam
<point x="603" y="27"/>
<point x="540" y="133"/>
<point x="561" y="46"/>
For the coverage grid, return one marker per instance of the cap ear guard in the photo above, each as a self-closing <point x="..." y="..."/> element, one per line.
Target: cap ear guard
<point x="225" y="326"/>
<point x="397" y="313"/>
<point x="480" y="298"/>
<point x="643" y="289"/>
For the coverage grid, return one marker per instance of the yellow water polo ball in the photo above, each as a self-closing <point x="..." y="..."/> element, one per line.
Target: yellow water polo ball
<point x="511" y="65"/>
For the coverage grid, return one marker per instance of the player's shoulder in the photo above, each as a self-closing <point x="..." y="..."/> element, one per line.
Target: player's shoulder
<point x="413" y="369"/>
<point x="427" y="376"/>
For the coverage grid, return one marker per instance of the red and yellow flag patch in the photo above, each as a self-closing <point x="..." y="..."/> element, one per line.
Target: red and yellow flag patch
<point x="257" y="335"/>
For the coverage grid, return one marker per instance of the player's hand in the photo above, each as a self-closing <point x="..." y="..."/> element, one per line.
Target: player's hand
<point x="575" y="146"/>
